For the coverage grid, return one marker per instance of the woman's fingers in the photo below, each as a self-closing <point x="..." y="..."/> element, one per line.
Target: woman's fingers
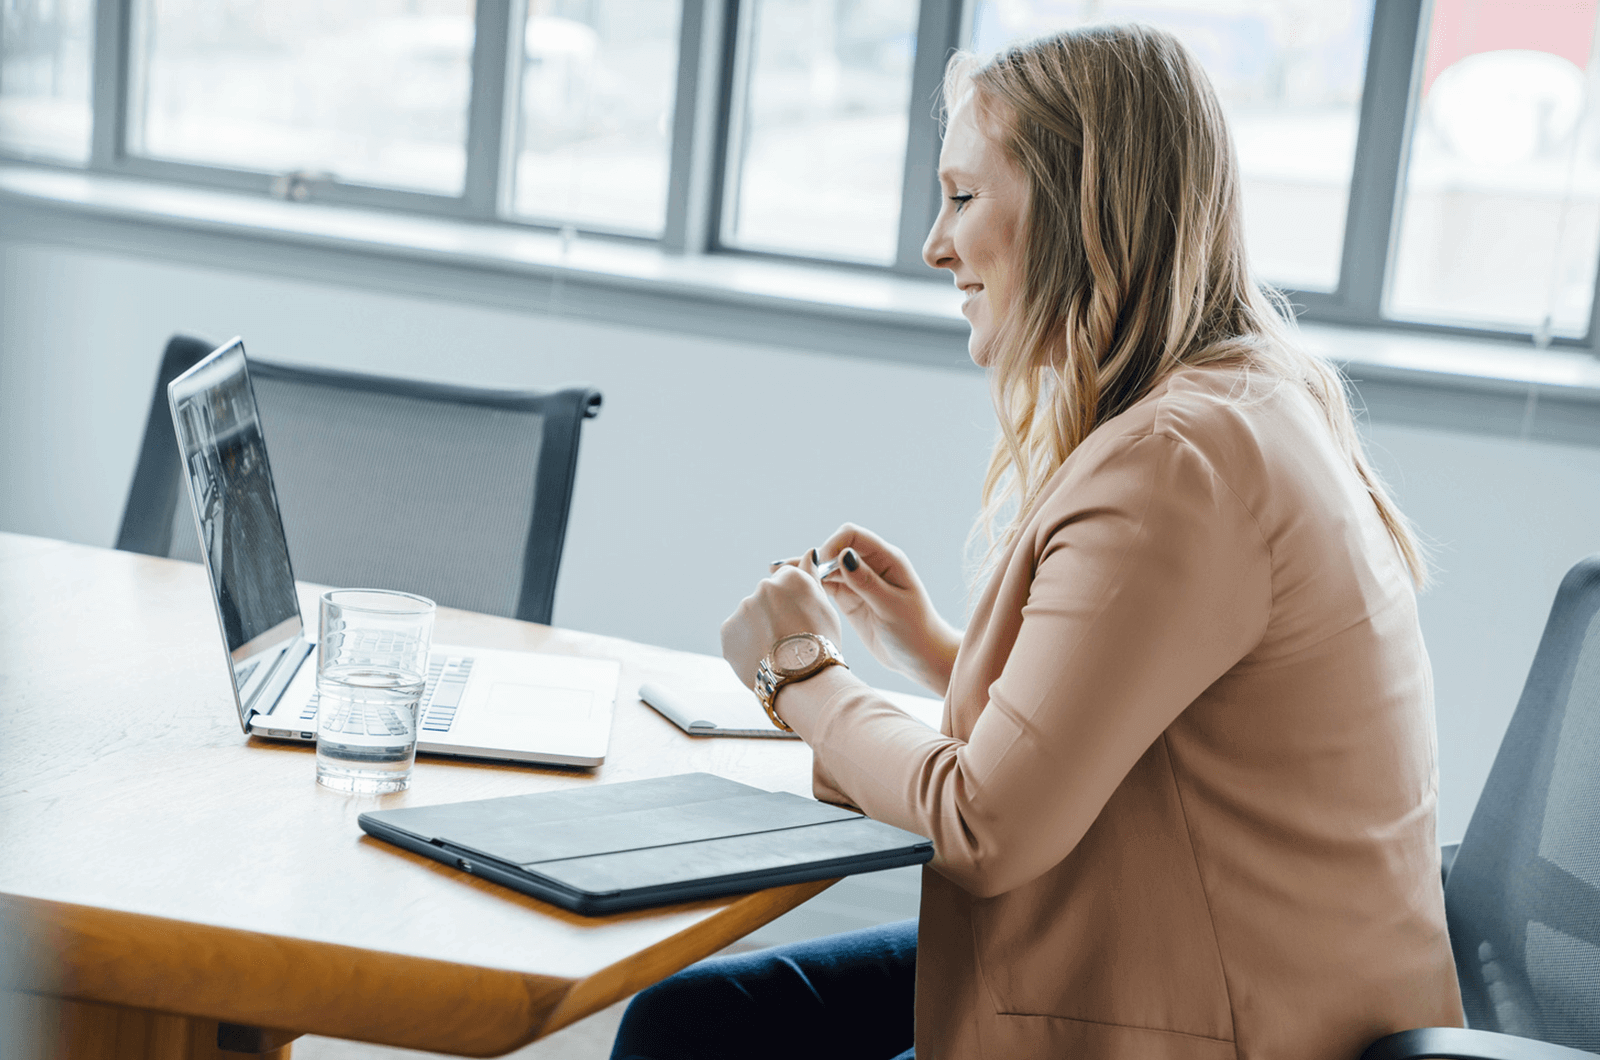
<point x="852" y="536"/>
<point x="858" y="576"/>
<point x="888" y="562"/>
<point x="811" y="562"/>
<point x="843" y="595"/>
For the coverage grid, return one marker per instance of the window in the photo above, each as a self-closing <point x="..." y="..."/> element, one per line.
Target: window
<point x="595" y="113"/>
<point x="357" y="91"/>
<point x="819" y="147"/>
<point x="1500" y="222"/>
<point x="1415" y="164"/>
<point x="44" y="78"/>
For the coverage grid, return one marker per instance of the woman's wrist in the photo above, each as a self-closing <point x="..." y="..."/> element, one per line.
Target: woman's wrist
<point x="799" y="702"/>
<point x="939" y="660"/>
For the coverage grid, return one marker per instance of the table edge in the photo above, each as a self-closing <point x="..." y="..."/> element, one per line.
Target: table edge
<point x="107" y="956"/>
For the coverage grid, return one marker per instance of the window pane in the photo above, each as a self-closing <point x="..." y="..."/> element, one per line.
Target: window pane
<point x="368" y="91"/>
<point x="45" y="48"/>
<point x="598" y="82"/>
<point x="1501" y="217"/>
<point x="821" y="138"/>
<point x="1289" y="74"/>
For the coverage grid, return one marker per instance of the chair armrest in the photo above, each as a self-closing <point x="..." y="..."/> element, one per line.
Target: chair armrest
<point x="1447" y="858"/>
<point x="1454" y="1043"/>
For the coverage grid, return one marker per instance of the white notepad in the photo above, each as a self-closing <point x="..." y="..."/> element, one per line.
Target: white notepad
<point x="737" y="711"/>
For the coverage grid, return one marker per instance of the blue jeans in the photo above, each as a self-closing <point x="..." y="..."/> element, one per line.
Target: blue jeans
<point x="846" y="997"/>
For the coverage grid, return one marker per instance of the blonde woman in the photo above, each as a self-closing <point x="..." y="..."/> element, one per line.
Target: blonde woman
<point x="1182" y="800"/>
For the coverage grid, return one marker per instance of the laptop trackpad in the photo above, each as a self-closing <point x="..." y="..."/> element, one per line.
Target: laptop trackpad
<point x="518" y="714"/>
<point x="510" y="701"/>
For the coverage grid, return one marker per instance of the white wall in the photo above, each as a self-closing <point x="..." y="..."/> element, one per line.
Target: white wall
<point x="711" y="458"/>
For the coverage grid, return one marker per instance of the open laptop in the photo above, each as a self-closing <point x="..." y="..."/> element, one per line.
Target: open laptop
<point x="516" y="706"/>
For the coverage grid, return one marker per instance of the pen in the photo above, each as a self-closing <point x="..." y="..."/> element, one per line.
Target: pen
<point x="822" y="570"/>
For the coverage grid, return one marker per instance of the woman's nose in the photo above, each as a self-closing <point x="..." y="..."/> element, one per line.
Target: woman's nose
<point x="937" y="250"/>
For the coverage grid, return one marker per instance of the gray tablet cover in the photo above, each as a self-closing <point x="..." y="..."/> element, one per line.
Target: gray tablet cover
<point x="613" y="847"/>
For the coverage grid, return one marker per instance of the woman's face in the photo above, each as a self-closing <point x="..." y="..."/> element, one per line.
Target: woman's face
<point x="979" y="232"/>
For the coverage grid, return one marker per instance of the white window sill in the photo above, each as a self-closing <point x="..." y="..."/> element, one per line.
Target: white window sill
<point x="532" y="253"/>
<point x="1479" y="385"/>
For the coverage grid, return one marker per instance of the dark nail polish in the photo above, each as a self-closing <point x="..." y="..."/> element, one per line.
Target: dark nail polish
<point x="814" y="558"/>
<point x="850" y="561"/>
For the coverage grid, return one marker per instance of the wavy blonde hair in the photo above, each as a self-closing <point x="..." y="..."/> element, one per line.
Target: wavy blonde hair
<point x="1135" y="258"/>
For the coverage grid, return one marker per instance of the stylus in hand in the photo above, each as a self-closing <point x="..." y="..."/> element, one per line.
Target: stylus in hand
<point x="821" y="570"/>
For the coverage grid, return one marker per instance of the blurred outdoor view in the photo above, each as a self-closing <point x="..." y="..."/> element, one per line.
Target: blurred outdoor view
<point x="367" y="91"/>
<point x="1501" y="220"/>
<point x="595" y="136"/>
<point x="817" y="152"/>
<point x="1289" y="74"/>
<point x="45" y="50"/>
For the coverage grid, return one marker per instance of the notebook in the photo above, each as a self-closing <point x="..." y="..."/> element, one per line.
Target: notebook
<point x="608" y="848"/>
<point x="713" y="712"/>
<point x="725" y="709"/>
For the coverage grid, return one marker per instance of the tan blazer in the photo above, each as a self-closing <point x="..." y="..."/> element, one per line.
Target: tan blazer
<point x="1183" y="797"/>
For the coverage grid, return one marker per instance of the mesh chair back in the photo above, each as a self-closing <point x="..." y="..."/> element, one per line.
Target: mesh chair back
<point x="1523" y="896"/>
<point x="458" y="494"/>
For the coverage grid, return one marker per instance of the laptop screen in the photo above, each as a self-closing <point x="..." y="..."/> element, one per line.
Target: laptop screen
<point x="236" y="513"/>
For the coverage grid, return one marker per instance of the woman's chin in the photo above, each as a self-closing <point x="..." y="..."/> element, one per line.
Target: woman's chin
<point x="980" y="347"/>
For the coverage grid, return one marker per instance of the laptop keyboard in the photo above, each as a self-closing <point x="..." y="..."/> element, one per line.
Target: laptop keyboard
<point x="447" y="680"/>
<point x="444" y="696"/>
<point x="374" y="640"/>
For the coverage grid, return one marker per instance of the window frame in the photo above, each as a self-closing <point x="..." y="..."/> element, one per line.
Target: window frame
<point x="699" y="177"/>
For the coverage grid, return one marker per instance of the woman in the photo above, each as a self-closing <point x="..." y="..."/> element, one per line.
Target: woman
<point x="1182" y="800"/>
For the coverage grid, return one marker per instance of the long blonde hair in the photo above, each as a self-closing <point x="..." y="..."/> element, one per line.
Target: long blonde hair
<point x="1135" y="258"/>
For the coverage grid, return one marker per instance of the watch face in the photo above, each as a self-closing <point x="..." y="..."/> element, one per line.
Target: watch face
<point x="795" y="653"/>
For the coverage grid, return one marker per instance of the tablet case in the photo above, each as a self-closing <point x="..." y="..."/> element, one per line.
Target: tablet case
<point x="614" y="847"/>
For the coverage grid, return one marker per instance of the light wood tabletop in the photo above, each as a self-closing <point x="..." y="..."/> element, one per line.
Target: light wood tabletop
<point x="165" y="876"/>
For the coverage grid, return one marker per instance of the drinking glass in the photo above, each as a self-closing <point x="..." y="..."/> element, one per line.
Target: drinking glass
<point x="372" y="665"/>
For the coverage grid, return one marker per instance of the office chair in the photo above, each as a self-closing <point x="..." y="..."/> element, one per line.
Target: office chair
<point x="457" y="494"/>
<point x="1522" y="890"/>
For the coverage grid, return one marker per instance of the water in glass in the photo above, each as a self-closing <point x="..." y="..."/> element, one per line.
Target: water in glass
<point x="367" y="727"/>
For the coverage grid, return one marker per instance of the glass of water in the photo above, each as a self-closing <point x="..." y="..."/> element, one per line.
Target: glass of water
<point x="372" y="665"/>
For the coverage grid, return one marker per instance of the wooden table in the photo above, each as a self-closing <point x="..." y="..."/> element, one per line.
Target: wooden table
<point x="164" y="879"/>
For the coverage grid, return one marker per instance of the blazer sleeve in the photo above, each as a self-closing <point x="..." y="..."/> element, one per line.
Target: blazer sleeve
<point x="1151" y="580"/>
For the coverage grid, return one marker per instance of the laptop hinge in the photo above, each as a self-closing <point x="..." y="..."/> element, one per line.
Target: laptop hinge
<point x="282" y="676"/>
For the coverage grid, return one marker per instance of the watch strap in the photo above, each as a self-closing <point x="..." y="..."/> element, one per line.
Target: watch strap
<point x="768" y="681"/>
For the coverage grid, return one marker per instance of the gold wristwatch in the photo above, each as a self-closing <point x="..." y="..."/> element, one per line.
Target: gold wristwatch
<point x="794" y="658"/>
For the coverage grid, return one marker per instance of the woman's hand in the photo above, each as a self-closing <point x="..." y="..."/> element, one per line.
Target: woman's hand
<point x="788" y="601"/>
<point x="885" y="601"/>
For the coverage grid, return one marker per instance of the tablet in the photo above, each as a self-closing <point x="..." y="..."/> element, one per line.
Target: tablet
<point x="608" y="848"/>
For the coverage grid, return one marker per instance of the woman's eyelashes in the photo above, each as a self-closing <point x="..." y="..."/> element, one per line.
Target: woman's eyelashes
<point x="961" y="199"/>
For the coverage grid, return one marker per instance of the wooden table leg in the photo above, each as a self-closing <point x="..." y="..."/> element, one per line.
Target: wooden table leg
<point x="34" y="1027"/>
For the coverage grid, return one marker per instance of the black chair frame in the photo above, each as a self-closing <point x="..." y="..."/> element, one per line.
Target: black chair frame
<point x="153" y="498"/>
<point x="1491" y="833"/>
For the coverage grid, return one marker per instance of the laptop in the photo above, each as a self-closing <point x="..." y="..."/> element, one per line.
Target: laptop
<point x="511" y="706"/>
